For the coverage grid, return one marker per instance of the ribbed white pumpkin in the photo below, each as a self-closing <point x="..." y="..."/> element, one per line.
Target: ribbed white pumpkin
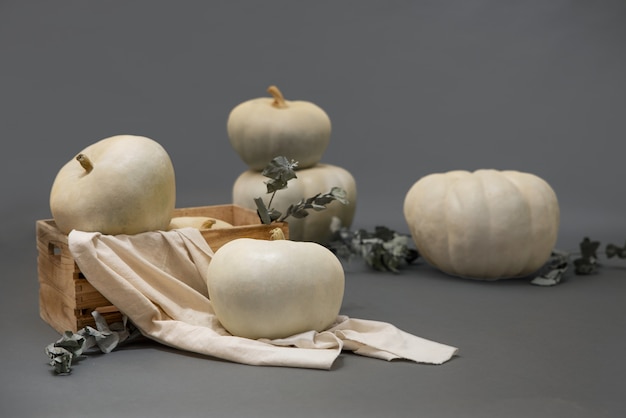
<point x="275" y="289"/>
<point x="486" y="224"/>
<point x="320" y="178"/>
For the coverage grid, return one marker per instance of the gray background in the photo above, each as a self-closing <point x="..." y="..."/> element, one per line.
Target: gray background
<point x="411" y="88"/>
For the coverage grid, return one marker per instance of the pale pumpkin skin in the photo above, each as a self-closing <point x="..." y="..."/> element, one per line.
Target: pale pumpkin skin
<point x="275" y="289"/>
<point x="266" y="127"/>
<point x="320" y="178"/>
<point x="198" y="222"/>
<point x="486" y="224"/>
<point x="130" y="189"/>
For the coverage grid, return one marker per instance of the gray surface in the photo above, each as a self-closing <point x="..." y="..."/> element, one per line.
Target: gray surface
<point x="412" y="88"/>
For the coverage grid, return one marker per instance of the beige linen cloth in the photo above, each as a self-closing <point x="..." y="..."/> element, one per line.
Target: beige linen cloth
<point x="158" y="280"/>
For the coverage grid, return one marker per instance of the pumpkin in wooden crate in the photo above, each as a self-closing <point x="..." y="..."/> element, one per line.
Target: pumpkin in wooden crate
<point x="487" y="224"/>
<point x="198" y="222"/>
<point x="263" y="128"/>
<point x="119" y="185"/>
<point x="275" y="288"/>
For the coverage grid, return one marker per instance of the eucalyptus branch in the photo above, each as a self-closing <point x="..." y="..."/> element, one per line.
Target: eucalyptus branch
<point x="382" y="249"/>
<point x="279" y="171"/>
<point x="554" y="270"/>
<point x="585" y="264"/>
<point x="317" y="203"/>
<point x="106" y="338"/>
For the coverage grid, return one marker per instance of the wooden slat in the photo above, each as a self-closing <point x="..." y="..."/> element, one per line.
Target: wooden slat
<point x="85" y="319"/>
<point x="87" y="296"/>
<point x="224" y="212"/>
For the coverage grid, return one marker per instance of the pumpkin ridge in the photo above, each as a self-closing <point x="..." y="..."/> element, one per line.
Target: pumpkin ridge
<point x="545" y="194"/>
<point x="528" y="252"/>
<point x="450" y="254"/>
<point x="445" y="223"/>
<point x="490" y="221"/>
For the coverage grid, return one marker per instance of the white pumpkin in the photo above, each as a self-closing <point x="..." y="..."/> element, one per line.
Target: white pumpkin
<point x="198" y="222"/>
<point x="320" y="178"/>
<point x="263" y="128"/>
<point x="119" y="185"/>
<point x="275" y="288"/>
<point x="486" y="224"/>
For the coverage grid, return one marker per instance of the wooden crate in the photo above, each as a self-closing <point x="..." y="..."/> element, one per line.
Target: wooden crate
<point x="67" y="299"/>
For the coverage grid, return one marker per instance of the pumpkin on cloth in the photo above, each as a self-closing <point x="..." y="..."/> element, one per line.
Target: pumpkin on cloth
<point x="123" y="184"/>
<point x="275" y="288"/>
<point x="263" y="128"/>
<point x="320" y="178"/>
<point x="487" y="224"/>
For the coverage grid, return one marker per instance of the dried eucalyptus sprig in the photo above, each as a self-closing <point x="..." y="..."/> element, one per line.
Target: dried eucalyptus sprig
<point x="279" y="171"/>
<point x="587" y="263"/>
<point x="554" y="271"/>
<point x="613" y="250"/>
<point x="317" y="203"/>
<point x="71" y="346"/>
<point x="383" y="249"/>
<point x="588" y="260"/>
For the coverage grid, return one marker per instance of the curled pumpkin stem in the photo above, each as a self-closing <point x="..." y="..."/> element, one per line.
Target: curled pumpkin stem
<point x="276" y="234"/>
<point x="85" y="162"/>
<point x="279" y="99"/>
<point x="208" y="224"/>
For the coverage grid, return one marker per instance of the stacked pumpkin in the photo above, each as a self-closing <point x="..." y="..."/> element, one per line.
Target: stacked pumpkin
<point x="267" y="127"/>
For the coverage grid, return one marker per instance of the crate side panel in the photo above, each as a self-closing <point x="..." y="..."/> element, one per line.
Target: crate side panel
<point x="56" y="308"/>
<point x="60" y="279"/>
<point x="245" y="216"/>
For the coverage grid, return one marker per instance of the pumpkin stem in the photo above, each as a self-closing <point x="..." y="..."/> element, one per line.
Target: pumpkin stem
<point x="276" y="234"/>
<point x="279" y="99"/>
<point x="207" y="224"/>
<point x="85" y="162"/>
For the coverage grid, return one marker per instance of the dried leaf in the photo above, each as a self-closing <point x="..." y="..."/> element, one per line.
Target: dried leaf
<point x="60" y="359"/>
<point x="280" y="170"/>
<point x="317" y="203"/>
<point x="586" y="264"/>
<point x="555" y="269"/>
<point x="71" y="346"/>
<point x="613" y="250"/>
<point x="274" y="215"/>
<point x="589" y="248"/>
<point x="382" y="250"/>
<point x="297" y="211"/>
<point x="273" y="186"/>
<point x="262" y="211"/>
<point x="340" y="195"/>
